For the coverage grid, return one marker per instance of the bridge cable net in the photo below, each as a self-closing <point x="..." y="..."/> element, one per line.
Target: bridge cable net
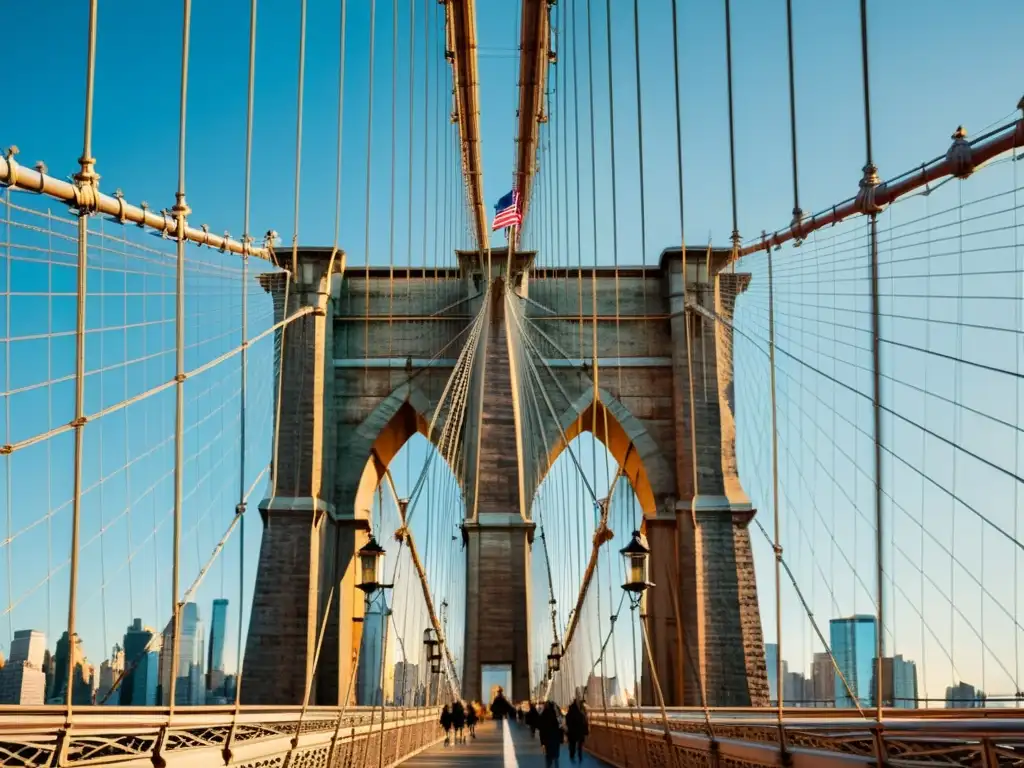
<point x="949" y="277"/>
<point x="124" y="511"/>
<point x="585" y="503"/>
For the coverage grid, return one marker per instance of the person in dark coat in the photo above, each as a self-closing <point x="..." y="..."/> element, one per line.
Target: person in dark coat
<point x="533" y="719"/>
<point x="500" y="708"/>
<point x="446" y="723"/>
<point x="576" y="729"/>
<point x="471" y="718"/>
<point x="459" y="722"/>
<point x="551" y="734"/>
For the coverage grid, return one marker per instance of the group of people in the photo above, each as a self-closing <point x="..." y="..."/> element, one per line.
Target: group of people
<point x="548" y="721"/>
<point x="458" y="717"/>
<point x="554" y="728"/>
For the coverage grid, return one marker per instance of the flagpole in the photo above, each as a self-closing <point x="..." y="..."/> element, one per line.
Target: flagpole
<point x="510" y="233"/>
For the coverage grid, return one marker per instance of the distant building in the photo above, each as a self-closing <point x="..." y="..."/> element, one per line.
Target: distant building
<point x="29" y="645"/>
<point x="230" y="683"/>
<point x="110" y="671"/>
<point x="189" y="653"/>
<point x="964" y="696"/>
<point x="142" y="655"/>
<point x="215" y="658"/>
<point x="771" y="660"/>
<point x="22" y="680"/>
<point x="853" y="642"/>
<point x="823" y="681"/>
<point x="70" y="655"/>
<point x="595" y="697"/>
<point x="797" y="690"/>
<point x="21" y="683"/>
<point x="899" y="683"/>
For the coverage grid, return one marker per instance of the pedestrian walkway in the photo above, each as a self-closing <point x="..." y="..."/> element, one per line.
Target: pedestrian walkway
<point x="496" y="746"/>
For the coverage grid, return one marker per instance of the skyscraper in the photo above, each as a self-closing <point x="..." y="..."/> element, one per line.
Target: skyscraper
<point x="964" y="696"/>
<point x="110" y="671"/>
<point x="69" y="651"/>
<point x="142" y="653"/>
<point x="823" y="681"/>
<point x="218" y="630"/>
<point x="189" y="654"/>
<point x="853" y="645"/>
<point x="29" y="645"/>
<point x="771" y="660"/>
<point x="22" y="680"/>
<point x="899" y="682"/>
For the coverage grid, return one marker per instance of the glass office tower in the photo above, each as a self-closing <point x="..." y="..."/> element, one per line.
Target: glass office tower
<point x="853" y="645"/>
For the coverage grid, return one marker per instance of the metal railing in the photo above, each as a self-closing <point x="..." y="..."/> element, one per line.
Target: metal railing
<point x="820" y="738"/>
<point x="250" y="737"/>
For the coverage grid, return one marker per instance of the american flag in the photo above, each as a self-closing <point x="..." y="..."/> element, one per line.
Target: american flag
<point x="507" y="213"/>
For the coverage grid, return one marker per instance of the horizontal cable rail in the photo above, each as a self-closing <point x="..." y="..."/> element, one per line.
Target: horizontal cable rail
<point x="36" y="180"/>
<point x="962" y="159"/>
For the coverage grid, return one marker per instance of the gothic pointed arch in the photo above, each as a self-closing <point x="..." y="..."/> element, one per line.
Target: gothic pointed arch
<point x="628" y="441"/>
<point x="375" y="443"/>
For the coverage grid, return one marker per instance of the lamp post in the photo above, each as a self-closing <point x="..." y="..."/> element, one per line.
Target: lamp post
<point x="554" y="658"/>
<point x="369" y="556"/>
<point x="637" y="555"/>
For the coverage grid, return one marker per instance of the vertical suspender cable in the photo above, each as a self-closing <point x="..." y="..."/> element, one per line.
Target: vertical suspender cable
<point x="298" y="139"/>
<point x="872" y="174"/>
<point x="180" y="212"/>
<point x="243" y="396"/>
<point x="412" y="135"/>
<point x="797" y="212"/>
<point x="777" y="541"/>
<point x="732" y="134"/>
<point x="86" y="181"/>
<point x="369" y="167"/>
<point x="640" y="146"/>
<point x="394" y="145"/>
<point x="615" y="217"/>
<point x="593" y="205"/>
<point x="576" y="133"/>
<point x="776" y="544"/>
<point x="341" y="125"/>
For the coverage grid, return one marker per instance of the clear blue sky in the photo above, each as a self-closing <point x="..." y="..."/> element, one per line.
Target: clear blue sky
<point x="933" y="67"/>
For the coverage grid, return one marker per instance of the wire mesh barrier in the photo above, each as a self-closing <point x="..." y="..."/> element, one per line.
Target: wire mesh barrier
<point x="949" y="271"/>
<point x="93" y="455"/>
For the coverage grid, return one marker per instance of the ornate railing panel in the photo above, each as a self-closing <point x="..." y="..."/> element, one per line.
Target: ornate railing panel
<point x="254" y="737"/>
<point x="814" y="738"/>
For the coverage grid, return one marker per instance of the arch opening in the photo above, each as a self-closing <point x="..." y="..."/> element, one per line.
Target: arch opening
<point x="600" y="420"/>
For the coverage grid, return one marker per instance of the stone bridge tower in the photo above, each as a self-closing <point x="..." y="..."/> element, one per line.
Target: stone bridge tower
<point x="363" y="371"/>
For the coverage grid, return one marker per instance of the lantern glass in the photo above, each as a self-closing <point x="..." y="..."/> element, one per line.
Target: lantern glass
<point x="638" y="569"/>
